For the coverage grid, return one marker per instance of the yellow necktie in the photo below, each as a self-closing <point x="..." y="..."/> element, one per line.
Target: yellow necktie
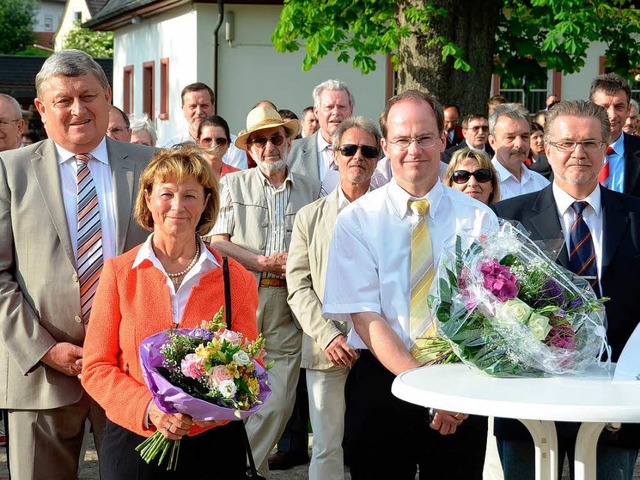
<point x="422" y="274"/>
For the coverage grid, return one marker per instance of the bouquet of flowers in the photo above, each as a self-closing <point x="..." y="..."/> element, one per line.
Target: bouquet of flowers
<point x="504" y="307"/>
<point x="209" y="373"/>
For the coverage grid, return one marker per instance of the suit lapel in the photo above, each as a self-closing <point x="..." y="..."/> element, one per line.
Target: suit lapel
<point x="310" y="155"/>
<point x="614" y="225"/>
<point x="47" y="174"/>
<point x="546" y="225"/>
<point x="631" y="163"/>
<point x="123" y="176"/>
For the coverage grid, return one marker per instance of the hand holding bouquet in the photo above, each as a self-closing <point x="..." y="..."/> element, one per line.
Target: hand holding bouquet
<point x="209" y="373"/>
<point x="507" y="309"/>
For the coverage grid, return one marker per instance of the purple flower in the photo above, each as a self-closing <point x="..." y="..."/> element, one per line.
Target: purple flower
<point x="575" y="303"/>
<point x="499" y="280"/>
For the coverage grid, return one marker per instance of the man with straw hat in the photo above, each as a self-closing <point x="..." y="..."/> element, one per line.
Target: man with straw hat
<point x="257" y="210"/>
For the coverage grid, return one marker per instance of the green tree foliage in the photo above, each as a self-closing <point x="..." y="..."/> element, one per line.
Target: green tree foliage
<point x="97" y="44"/>
<point x="525" y="33"/>
<point x="16" y="24"/>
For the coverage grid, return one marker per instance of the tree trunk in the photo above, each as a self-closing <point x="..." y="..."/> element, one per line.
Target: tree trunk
<point x="470" y="24"/>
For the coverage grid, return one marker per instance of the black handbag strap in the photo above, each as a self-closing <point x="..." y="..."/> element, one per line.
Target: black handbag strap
<point x="253" y="473"/>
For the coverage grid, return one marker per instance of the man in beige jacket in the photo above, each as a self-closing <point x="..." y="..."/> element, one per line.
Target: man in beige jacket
<point x="325" y="353"/>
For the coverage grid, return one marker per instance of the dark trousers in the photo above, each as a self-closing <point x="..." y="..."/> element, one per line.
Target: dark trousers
<point x="295" y="438"/>
<point x="386" y="437"/>
<point x="217" y="454"/>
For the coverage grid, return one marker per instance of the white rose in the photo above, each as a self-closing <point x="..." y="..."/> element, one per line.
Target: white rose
<point x="539" y="325"/>
<point x="227" y="388"/>
<point x="512" y="312"/>
<point x="242" y="358"/>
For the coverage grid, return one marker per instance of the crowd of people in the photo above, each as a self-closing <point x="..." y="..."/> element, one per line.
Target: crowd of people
<point x="332" y="226"/>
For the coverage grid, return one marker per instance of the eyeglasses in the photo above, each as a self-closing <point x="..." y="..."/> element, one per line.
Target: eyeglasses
<point x="219" y="141"/>
<point x="6" y="123"/>
<point x="424" y="141"/>
<point x="349" y="150"/>
<point x="483" y="128"/>
<point x="482" y="175"/>
<point x="276" y="140"/>
<point x="589" y="146"/>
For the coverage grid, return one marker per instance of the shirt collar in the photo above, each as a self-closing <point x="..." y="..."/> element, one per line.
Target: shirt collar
<point x="618" y="145"/>
<point x="99" y="153"/>
<point x="265" y="181"/>
<point x="321" y="142"/>
<point x="400" y="198"/>
<point x="504" y="173"/>
<point x="564" y="200"/>
<point x="343" y="201"/>
<point x="146" y="253"/>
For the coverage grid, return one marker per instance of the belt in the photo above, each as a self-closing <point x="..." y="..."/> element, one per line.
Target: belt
<point x="273" y="282"/>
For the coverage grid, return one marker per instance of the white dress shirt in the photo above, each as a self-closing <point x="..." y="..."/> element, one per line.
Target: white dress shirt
<point x="369" y="262"/>
<point x="206" y="262"/>
<point x="103" y="182"/>
<point x="592" y="215"/>
<point x="529" y="182"/>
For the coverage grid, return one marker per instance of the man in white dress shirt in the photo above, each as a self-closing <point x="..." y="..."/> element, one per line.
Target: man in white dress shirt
<point x="368" y="284"/>
<point x="509" y="136"/>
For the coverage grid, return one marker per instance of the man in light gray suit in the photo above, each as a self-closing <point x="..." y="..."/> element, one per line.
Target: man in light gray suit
<point x="325" y="353"/>
<point x="313" y="156"/>
<point x="42" y="316"/>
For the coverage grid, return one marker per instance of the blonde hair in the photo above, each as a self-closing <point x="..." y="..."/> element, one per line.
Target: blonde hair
<point x="483" y="162"/>
<point x="178" y="163"/>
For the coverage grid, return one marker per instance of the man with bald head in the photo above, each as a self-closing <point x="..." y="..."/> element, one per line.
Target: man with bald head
<point x="11" y="123"/>
<point x="65" y="207"/>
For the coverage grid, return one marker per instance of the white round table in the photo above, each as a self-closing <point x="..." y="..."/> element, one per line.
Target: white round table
<point x="537" y="402"/>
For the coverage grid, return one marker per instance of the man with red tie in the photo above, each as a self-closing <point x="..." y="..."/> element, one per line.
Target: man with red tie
<point x="621" y="170"/>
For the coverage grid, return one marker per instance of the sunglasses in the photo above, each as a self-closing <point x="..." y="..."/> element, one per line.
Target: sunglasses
<point x="482" y="175"/>
<point x="276" y="140"/>
<point x="349" y="150"/>
<point x="220" y="141"/>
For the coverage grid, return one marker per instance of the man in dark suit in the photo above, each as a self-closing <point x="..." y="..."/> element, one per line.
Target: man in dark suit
<point x="576" y="138"/>
<point x="50" y="259"/>
<point x="452" y="127"/>
<point x="621" y="171"/>
<point x="475" y="129"/>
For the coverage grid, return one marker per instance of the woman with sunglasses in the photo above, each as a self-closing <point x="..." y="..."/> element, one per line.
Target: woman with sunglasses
<point x="214" y="140"/>
<point x="471" y="172"/>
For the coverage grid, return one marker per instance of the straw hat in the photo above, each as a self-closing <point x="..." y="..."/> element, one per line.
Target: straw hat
<point x="261" y="118"/>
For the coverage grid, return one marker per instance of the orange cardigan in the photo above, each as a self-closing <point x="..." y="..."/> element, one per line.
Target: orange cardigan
<point x="132" y="304"/>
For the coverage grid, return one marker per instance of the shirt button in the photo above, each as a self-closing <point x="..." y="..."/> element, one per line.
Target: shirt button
<point x="75" y="277"/>
<point x="265" y="224"/>
<point x="78" y="319"/>
<point x="174" y="311"/>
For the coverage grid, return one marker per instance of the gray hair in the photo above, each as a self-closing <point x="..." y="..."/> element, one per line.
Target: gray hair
<point x="362" y="123"/>
<point x="143" y="123"/>
<point x="634" y="104"/>
<point x="509" y="110"/>
<point x="335" y="85"/>
<point x="70" y="63"/>
<point x="577" y="108"/>
<point x="17" y="110"/>
<point x="610" y="83"/>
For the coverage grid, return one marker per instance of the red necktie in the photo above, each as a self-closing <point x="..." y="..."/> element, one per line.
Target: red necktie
<point x="603" y="176"/>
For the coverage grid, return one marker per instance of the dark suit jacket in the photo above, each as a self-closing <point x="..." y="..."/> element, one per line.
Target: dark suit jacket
<point x="542" y="167"/>
<point x="457" y="137"/>
<point x="631" y="165"/>
<point x="448" y="153"/>
<point x="620" y="262"/>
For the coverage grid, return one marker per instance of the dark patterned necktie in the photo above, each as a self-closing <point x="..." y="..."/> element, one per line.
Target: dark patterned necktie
<point x="582" y="254"/>
<point x="89" y="236"/>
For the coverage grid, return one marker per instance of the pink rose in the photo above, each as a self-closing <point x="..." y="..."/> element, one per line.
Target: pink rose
<point x="192" y="366"/>
<point x="229" y="335"/>
<point x="218" y="374"/>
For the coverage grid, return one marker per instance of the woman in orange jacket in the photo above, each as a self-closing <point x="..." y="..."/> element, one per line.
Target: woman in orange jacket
<point x="173" y="279"/>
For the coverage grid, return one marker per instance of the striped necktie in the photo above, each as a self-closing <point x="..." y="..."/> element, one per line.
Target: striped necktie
<point x="603" y="176"/>
<point x="582" y="255"/>
<point x="89" y="236"/>
<point x="422" y="273"/>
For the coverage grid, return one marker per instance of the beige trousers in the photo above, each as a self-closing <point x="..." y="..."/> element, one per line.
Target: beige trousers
<point x="283" y="345"/>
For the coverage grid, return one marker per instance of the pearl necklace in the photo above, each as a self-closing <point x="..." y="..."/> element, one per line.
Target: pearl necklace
<point x="176" y="277"/>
